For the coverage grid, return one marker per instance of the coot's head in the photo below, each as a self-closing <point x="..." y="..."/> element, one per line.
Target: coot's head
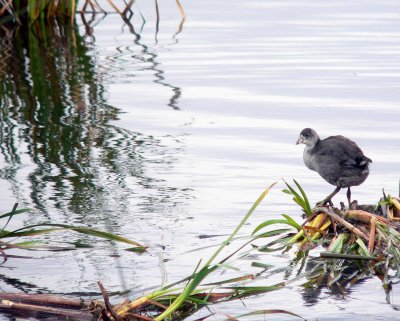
<point x="309" y="137"/>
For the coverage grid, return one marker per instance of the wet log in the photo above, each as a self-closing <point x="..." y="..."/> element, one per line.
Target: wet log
<point x="44" y="299"/>
<point x="31" y="309"/>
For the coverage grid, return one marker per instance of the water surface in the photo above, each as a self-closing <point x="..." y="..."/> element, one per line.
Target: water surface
<point x="164" y="137"/>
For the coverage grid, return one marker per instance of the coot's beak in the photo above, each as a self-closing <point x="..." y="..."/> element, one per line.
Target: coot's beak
<point x="300" y="140"/>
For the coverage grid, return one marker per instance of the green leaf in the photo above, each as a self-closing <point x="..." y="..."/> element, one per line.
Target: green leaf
<point x="306" y="202"/>
<point x="293" y="192"/>
<point x="292" y="222"/>
<point x="270" y="311"/>
<point x="269" y="222"/>
<point x="273" y="233"/>
<point x="31" y="231"/>
<point x="10" y="215"/>
<point x="299" y="202"/>
<point x="261" y="265"/>
<point x="337" y="245"/>
<point x="363" y="248"/>
<point x="245" y="291"/>
<point x="28" y="244"/>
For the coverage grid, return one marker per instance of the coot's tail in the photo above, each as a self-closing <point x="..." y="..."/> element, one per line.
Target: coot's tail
<point x="363" y="161"/>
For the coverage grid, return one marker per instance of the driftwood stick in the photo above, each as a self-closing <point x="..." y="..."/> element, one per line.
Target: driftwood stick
<point x="107" y="302"/>
<point x="343" y="222"/>
<point x="10" y="306"/>
<point x="44" y="299"/>
<point x="371" y="242"/>
<point x="365" y="217"/>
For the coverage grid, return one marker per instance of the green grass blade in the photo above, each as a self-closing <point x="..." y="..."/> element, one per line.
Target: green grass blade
<point x="28" y="245"/>
<point x="301" y="200"/>
<point x="233" y="280"/>
<point x="270" y="222"/>
<point x="12" y="213"/>
<point x="30" y="231"/>
<point x="363" y="248"/>
<point x="294" y="193"/>
<point x="267" y="312"/>
<point x="305" y="198"/>
<point x="337" y="245"/>
<point x="292" y="222"/>
<point x="273" y="233"/>
<point x="286" y="191"/>
<point x="245" y="291"/>
<point x="207" y="269"/>
<point x="244" y="220"/>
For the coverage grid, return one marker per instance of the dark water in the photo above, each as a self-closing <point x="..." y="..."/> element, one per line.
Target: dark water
<point x="163" y="136"/>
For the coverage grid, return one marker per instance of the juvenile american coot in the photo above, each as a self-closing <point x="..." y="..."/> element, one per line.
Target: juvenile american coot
<point x="337" y="159"/>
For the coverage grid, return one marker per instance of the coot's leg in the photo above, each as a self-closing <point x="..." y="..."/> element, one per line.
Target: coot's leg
<point x="329" y="197"/>
<point x="349" y="196"/>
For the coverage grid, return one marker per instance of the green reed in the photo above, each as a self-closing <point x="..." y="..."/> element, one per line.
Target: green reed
<point x="8" y="237"/>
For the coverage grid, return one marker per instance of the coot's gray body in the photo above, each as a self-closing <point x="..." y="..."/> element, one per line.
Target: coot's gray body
<point x="337" y="159"/>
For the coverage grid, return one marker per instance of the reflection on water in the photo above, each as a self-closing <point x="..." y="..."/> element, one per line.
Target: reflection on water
<point x="53" y="107"/>
<point x="58" y="141"/>
<point x="88" y="133"/>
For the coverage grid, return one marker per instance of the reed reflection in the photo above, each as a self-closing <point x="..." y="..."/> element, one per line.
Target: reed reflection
<point x="139" y="57"/>
<point x="53" y="109"/>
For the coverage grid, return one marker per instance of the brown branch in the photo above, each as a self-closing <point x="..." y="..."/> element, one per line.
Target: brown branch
<point x="365" y="217"/>
<point x="183" y="14"/>
<point x="343" y="222"/>
<point x="372" y="231"/>
<point x="44" y="299"/>
<point x="107" y="303"/>
<point x="7" y="305"/>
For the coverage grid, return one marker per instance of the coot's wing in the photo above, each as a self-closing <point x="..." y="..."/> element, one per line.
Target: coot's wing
<point x="343" y="151"/>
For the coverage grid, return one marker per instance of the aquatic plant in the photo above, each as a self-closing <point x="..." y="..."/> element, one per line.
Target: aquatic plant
<point x="172" y="302"/>
<point x="354" y="242"/>
<point x="8" y="237"/>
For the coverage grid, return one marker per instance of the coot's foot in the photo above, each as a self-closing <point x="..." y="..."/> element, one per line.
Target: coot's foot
<point x="324" y="203"/>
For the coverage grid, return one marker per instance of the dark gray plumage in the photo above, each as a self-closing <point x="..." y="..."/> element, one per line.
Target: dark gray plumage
<point x="337" y="159"/>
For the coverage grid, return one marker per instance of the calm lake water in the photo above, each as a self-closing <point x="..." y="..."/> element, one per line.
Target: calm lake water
<point x="167" y="136"/>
